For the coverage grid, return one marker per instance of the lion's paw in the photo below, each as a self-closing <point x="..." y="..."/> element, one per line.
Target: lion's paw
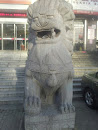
<point x="67" y="108"/>
<point x="32" y="105"/>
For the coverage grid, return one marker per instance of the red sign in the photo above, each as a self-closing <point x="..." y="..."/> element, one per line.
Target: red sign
<point x="85" y="12"/>
<point x="12" y="15"/>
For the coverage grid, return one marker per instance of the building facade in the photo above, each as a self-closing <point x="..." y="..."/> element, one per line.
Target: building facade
<point x="13" y="24"/>
<point x="85" y="35"/>
<point x="14" y="27"/>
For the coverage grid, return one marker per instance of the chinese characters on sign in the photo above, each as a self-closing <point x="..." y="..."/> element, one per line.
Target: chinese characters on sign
<point x="91" y="32"/>
<point x="91" y="5"/>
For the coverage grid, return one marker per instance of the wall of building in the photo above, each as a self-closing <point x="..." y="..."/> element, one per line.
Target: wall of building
<point x="87" y="10"/>
<point x="85" y="32"/>
<point x="16" y="1"/>
<point x="92" y="34"/>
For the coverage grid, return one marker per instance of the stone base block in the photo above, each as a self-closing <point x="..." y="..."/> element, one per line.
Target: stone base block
<point x="57" y="122"/>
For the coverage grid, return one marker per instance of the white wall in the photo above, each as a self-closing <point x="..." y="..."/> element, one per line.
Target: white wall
<point x="13" y="6"/>
<point x="13" y="20"/>
<point x="89" y="5"/>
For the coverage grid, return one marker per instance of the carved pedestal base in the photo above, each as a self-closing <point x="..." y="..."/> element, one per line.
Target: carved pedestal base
<point x="52" y="120"/>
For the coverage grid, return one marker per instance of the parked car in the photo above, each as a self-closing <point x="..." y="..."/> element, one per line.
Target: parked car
<point x="90" y="89"/>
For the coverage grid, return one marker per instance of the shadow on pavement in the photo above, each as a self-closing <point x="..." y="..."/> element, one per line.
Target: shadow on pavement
<point x="86" y="118"/>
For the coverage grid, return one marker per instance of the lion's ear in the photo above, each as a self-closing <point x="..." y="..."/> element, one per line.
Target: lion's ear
<point x="69" y="45"/>
<point x="63" y="8"/>
<point x="30" y="13"/>
<point x="69" y="25"/>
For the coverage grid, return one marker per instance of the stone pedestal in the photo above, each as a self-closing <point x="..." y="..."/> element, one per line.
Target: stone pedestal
<point x="50" y="120"/>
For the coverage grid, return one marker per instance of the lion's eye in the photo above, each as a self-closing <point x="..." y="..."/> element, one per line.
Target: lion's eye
<point x="35" y="19"/>
<point x="67" y="29"/>
<point x="50" y="16"/>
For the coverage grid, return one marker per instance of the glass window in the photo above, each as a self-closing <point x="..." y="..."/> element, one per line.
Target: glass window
<point x="78" y="35"/>
<point x="0" y="45"/>
<point x="20" y="36"/>
<point x="8" y="30"/>
<point x="27" y="33"/>
<point x="8" y="44"/>
<point x="26" y="44"/>
<point x="0" y="38"/>
<point x="20" y="31"/>
<point x="0" y="30"/>
<point x="27" y="30"/>
<point x="21" y="44"/>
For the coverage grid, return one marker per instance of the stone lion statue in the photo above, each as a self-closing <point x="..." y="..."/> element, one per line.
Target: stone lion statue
<point x="49" y="69"/>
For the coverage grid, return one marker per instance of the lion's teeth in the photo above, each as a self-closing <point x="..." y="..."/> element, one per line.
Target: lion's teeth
<point x="53" y="33"/>
<point x="45" y="36"/>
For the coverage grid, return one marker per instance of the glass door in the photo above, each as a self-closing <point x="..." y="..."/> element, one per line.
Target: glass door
<point x="27" y="33"/>
<point x="78" y="35"/>
<point x="0" y="38"/>
<point x="8" y="36"/>
<point x="19" y="36"/>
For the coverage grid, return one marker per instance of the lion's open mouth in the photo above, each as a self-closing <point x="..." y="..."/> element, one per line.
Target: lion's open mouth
<point x="44" y="34"/>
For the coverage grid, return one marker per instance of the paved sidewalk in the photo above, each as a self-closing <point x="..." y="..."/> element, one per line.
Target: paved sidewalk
<point x="86" y="118"/>
<point x="10" y="119"/>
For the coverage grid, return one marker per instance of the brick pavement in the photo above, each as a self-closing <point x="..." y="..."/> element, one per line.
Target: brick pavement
<point x="10" y="119"/>
<point x="86" y="118"/>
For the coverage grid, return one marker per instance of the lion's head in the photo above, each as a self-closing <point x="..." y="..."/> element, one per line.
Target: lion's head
<point x="51" y="20"/>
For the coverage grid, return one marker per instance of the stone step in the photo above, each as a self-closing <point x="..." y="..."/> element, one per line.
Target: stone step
<point x="86" y="64"/>
<point x="12" y="76"/>
<point x="22" y="81"/>
<point x="13" y="53"/>
<point x="12" y="88"/>
<point x="11" y="79"/>
<point x="11" y="83"/>
<point x="13" y="69"/>
<point x="77" y="84"/>
<point x="84" y="57"/>
<point x="11" y="100"/>
<point x="77" y="96"/>
<point x="80" y="71"/>
<point x="7" y="54"/>
<point x="14" y="85"/>
<point x="12" y="66"/>
<point x="12" y="62"/>
<point x="87" y="60"/>
<point x="85" y="68"/>
<point x="11" y="107"/>
<point x="77" y="90"/>
<point x="12" y="72"/>
<point x="17" y="93"/>
<point x="77" y="79"/>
